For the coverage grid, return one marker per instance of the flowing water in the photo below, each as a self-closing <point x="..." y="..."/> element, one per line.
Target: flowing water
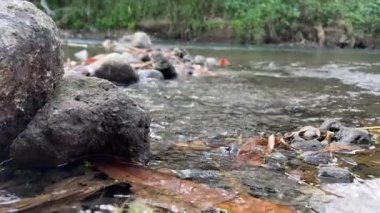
<point x="267" y="89"/>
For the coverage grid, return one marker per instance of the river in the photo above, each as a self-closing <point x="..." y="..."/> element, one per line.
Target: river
<point x="266" y="89"/>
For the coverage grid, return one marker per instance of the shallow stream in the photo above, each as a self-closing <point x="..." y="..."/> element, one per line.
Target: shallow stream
<point x="267" y="89"/>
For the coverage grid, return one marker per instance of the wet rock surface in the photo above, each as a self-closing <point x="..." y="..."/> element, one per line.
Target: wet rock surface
<point x="31" y="65"/>
<point x="347" y="135"/>
<point x="87" y="116"/>
<point x="141" y="40"/>
<point x="316" y="157"/>
<point x="155" y="74"/>
<point x="332" y="174"/>
<point x="117" y="72"/>
<point x="162" y="64"/>
<point x="313" y="145"/>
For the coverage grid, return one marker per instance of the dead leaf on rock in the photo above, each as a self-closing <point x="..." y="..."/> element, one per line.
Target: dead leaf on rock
<point x="255" y="150"/>
<point x="328" y="137"/>
<point x="251" y="152"/>
<point x="342" y="148"/>
<point x="196" y="145"/>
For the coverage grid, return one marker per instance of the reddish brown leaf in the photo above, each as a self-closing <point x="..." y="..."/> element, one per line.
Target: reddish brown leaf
<point x="200" y="197"/>
<point x="196" y="145"/>
<point x="250" y="153"/>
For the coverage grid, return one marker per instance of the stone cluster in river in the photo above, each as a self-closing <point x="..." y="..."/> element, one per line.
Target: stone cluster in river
<point x="137" y="52"/>
<point x="317" y="144"/>
<point x="45" y="120"/>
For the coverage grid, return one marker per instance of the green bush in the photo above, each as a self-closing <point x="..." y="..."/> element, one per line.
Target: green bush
<point x="250" y="19"/>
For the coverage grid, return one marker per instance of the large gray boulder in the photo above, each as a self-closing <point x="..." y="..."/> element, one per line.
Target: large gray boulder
<point x="347" y="135"/>
<point x="31" y="65"/>
<point x="87" y="116"/>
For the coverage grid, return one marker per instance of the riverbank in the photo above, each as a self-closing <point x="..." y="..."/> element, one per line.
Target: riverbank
<point x="312" y="23"/>
<point x="221" y="36"/>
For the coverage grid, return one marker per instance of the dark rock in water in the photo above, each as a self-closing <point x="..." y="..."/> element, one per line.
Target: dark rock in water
<point x="332" y="125"/>
<point x="332" y="174"/>
<point x="316" y="157"/>
<point x="276" y="161"/>
<point x="266" y="184"/>
<point x="169" y="73"/>
<point x="117" y="72"/>
<point x="86" y="116"/>
<point x="303" y="145"/>
<point x="31" y="65"/>
<point x="161" y="64"/>
<point x="143" y="74"/>
<point x="349" y="135"/>
<point x="145" y="58"/>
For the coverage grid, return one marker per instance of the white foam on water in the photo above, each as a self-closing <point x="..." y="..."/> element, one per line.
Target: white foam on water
<point x="357" y="197"/>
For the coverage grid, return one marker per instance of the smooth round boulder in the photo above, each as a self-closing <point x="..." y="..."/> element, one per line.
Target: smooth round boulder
<point x="141" y="40"/>
<point x="153" y="74"/>
<point x="87" y="116"/>
<point x="334" y="174"/>
<point x="200" y="60"/>
<point x="121" y="73"/>
<point x="163" y="65"/>
<point x="31" y="65"/>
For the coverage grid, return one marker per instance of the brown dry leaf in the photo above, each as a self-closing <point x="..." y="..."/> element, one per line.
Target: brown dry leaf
<point x="283" y="144"/>
<point x="196" y="145"/>
<point x="374" y="130"/>
<point x="196" y="196"/>
<point x="375" y="162"/>
<point x="254" y="151"/>
<point x="271" y="144"/>
<point x="338" y="147"/>
<point x="142" y="65"/>
<point x="328" y="138"/>
<point x="67" y="191"/>
<point x="250" y="153"/>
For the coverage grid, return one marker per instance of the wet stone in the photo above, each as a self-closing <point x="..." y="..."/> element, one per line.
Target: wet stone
<point x="316" y="158"/>
<point x="332" y="174"/>
<point x="347" y="135"/>
<point x="332" y="125"/>
<point x="276" y="161"/>
<point x="198" y="174"/>
<point x="152" y="74"/>
<point x="312" y="145"/>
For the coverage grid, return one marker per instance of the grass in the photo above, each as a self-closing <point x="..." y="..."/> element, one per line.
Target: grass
<point x="251" y="20"/>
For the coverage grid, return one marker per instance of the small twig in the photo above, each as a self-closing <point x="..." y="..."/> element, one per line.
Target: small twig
<point x="142" y="65"/>
<point x="370" y="128"/>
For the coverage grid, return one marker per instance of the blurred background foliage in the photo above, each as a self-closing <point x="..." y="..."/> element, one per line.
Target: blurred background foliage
<point x="252" y="19"/>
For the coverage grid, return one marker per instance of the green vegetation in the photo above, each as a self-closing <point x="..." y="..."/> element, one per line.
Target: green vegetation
<point x="251" y="20"/>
